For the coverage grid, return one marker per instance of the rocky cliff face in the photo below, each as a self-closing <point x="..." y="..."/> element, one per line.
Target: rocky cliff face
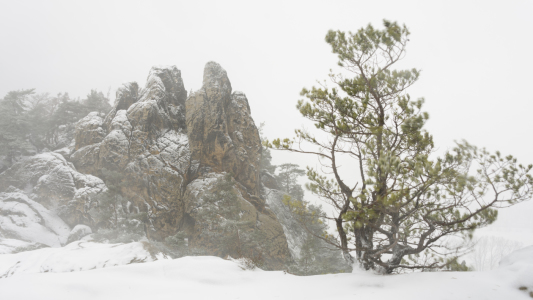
<point x="144" y="139"/>
<point x="223" y="136"/>
<point x="171" y="152"/>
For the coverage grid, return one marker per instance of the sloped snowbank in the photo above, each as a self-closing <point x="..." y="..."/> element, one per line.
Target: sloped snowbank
<point x="519" y="268"/>
<point x="215" y="278"/>
<point x="76" y="256"/>
<point x="25" y="219"/>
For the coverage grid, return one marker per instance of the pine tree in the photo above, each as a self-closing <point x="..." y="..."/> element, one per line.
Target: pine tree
<point x="15" y="126"/>
<point x="96" y="101"/>
<point x="405" y="202"/>
<point x="287" y="178"/>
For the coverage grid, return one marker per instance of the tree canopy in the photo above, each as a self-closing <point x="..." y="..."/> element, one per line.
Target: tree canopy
<point x="407" y="203"/>
<point x="28" y="120"/>
<point x="15" y="124"/>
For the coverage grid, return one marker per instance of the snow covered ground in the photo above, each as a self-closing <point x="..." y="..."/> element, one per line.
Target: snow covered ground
<point x="76" y="256"/>
<point x="215" y="278"/>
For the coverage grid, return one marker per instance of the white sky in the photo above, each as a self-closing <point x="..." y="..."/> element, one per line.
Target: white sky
<point x="475" y="56"/>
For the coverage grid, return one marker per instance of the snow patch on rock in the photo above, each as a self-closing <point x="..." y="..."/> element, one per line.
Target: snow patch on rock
<point x="79" y="231"/>
<point x="24" y="219"/>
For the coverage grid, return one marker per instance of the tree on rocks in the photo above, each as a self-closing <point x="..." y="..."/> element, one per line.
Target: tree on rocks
<point x="96" y="101"/>
<point x="14" y="136"/>
<point x="405" y="205"/>
<point x="287" y="178"/>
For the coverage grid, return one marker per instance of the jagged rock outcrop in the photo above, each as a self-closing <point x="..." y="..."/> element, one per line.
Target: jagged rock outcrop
<point x="89" y="130"/>
<point x="164" y="145"/>
<point x="145" y="140"/>
<point x="260" y="233"/>
<point x="222" y="133"/>
<point x="162" y="155"/>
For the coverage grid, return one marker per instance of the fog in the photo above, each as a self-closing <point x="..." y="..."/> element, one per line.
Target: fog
<point x="475" y="57"/>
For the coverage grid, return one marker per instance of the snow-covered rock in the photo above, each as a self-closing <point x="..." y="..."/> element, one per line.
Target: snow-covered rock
<point x="53" y="182"/>
<point x="144" y="140"/>
<point x="89" y="130"/>
<point x="272" y="245"/>
<point x="153" y="144"/>
<point x="78" y="232"/>
<point x="296" y="235"/>
<point x="24" y="219"/>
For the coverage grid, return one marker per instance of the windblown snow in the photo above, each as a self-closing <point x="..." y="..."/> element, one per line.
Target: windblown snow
<point x="54" y="273"/>
<point x="76" y="256"/>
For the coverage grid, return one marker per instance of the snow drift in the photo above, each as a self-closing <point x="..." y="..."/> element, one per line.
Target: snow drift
<point x="208" y="277"/>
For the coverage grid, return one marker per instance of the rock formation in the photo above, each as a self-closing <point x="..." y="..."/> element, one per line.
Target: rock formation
<point x="48" y="179"/>
<point x="222" y="133"/>
<point x="144" y="138"/>
<point x="171" y="152"/>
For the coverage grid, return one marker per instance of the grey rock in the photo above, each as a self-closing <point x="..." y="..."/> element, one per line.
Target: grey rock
<point x="78" y="232"/>
<point x="50" y="180"/>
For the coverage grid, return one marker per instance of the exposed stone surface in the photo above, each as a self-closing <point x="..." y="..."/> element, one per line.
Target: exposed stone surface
<point x="167" y="150"/>
<point x="268" y="180"/>
<point x="126" y="95"/>
<point x="272" y="244"/>
<point x="9" y="246"/>
<point x="145" y="141"/>
<point x="89" y="130"/>
<point x="222" y="133"/>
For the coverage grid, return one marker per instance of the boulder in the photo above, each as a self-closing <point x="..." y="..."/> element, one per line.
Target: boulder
<point x="146" y="142"/>
<point x="89" y="130"/>
<point x="78" y="232"/>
